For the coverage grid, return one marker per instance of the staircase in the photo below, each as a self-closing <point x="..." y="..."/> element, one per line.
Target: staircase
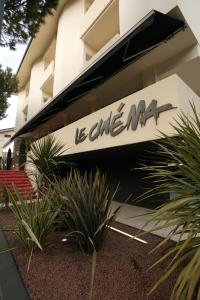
<point x="20" y="180"/>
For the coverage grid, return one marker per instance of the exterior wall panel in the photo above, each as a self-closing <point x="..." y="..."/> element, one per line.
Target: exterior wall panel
<point x="170" y="90"/>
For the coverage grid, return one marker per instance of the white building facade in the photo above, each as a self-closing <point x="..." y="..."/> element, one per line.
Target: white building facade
<point x="106" y="75"/>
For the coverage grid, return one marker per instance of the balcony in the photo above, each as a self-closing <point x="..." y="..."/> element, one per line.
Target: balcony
<point x="97" y="18"/>
<point x="48" y="78"/>
<point x="94" y="11"/>
<point x="91" y="55"/>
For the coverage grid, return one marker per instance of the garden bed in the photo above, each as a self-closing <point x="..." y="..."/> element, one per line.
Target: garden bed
<point x="62" y="272"/>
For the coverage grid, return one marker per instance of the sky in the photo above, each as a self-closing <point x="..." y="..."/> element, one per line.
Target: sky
<point x="11" y="59"/>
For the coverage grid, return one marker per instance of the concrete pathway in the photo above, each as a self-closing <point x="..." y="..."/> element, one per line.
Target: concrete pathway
<point x="131" y="215"/>
<point x="11" y="283"/>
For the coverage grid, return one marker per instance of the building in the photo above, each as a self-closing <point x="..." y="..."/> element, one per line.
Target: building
<point x="105" y="76"/>
<point x="5" y="135"/>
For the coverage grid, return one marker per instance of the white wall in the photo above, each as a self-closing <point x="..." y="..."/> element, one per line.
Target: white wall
<point x="130" y="12"/>
<point x="191" y="11"/>
<point x="163" y="6"/>
<point x="20" y="106"/>
<point x="69" y="47"/>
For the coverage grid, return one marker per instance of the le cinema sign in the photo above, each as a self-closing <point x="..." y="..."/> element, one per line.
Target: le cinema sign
<point x="113" y="125"/>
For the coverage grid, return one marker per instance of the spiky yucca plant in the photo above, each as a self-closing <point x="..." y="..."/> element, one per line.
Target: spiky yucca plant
<point x="45" y="156"/>
<point x="34" y="219"/>
<point x="85" y="201"/>
<point x="182" y="212"/>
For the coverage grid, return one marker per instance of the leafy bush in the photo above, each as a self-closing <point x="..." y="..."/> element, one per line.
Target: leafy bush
<point x="34" y="219"/>
<point x="85" y="207"/>
<point x="182" y="212"/>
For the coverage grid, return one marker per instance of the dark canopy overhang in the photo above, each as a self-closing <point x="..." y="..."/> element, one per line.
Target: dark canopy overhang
<point x="149" y="33"/>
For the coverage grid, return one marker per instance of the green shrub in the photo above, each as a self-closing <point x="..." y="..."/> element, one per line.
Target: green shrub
<point x="22" y="154"/>
<point x="34" y="219"/>
<point x="85" y="207"/>
<point x="3" y="196"/>
<point x="182" y="212"/>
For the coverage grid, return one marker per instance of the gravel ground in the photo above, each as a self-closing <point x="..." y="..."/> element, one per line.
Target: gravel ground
<point x="61" y="272"/>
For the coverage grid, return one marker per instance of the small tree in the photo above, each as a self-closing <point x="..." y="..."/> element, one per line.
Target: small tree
<point x="21" y="20"/>
<point x="22" y="155"/>
<point x="9" y="159"/>
<point x="8" y="86"/>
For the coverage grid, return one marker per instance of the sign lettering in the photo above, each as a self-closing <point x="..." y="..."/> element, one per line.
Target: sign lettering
<point x="114" y="125"/>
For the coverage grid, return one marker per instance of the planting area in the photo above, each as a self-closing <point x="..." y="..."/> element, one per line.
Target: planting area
<point x="61" y="271"/>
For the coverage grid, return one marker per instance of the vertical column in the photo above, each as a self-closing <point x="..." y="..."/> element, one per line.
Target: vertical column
<point x="69" y="46"/>
<point x="149" y="76"/>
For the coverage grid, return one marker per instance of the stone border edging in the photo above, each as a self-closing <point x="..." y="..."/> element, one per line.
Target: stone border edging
<point x="12" y="286"/>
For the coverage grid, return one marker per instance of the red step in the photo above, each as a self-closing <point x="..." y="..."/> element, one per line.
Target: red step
<point x="16" y="179"/>
<point x="7" y="183"/>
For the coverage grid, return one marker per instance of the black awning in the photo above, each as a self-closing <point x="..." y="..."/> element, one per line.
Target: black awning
<point x="149" y="33"/>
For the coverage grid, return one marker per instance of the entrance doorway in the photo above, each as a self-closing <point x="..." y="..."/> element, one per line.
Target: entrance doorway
<point x="121" y="166"/>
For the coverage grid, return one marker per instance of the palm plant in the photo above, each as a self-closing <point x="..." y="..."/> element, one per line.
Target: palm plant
<point x="85" y="212"/>
<point x="45" y="157"/>
<point x="182" y="212"/>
